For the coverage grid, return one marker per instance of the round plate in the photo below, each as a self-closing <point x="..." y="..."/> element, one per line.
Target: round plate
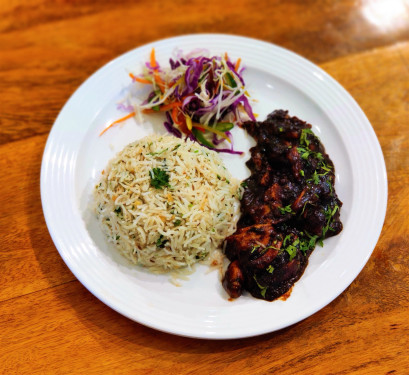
<point x="278" y="79"/>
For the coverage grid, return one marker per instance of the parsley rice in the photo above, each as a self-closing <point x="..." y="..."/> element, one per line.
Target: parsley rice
<point x="167" y="203"/>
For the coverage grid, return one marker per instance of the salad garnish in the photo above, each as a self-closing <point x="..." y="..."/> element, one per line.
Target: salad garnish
<point x="203" y="97"/>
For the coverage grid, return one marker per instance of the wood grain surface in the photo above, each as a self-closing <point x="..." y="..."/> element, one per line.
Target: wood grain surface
<point x="50" y="324"/>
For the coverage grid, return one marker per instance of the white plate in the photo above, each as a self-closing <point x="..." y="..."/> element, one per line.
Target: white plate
<point x="75" y="155"/>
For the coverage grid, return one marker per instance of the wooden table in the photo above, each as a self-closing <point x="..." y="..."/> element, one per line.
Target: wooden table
<point x="49" y="323"/>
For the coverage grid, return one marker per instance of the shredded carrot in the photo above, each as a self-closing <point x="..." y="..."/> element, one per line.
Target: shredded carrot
<point x="226" y="57"/>
<point x="139" y="79"/>
<point x="153" y="60"/>
<point x="236" y="68"/>
<point x="118" y="121"/>
<point x="166" y="107"/>
<point x="175" y="115"/>
<point x="179" y="120"/>
<point x="159" y="81"/>
<point x="148" y="111"/>
<point x="156" y="75"/>
<point x="163" y="108"/>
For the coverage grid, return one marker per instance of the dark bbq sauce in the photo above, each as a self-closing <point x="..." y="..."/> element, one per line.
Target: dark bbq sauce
<point x="289" y="204"/>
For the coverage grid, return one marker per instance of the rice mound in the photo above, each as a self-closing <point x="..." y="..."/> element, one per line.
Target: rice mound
<point x="175" y="225"/>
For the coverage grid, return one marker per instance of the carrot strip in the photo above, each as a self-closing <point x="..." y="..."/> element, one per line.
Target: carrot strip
<point x="153" y="60"/>
<point x="175" y="115"/>
<point x="166" y="107"/>
<point x="163" y="108"/>
<point x="148" y="111"/>
<point x="179" y="120"/>
<point x="236" y="68"/>
<point x="159" y="81"/>
<point x="156" y="75"/>
<point x="140" y="80"/>
<point x="118" y="121"/>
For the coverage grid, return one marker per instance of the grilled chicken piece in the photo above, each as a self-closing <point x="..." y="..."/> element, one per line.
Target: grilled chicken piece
<point x="233" y="280"/>
<point x="246" y="238"/>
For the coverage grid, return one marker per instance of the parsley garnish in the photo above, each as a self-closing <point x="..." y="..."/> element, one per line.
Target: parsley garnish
<point x="202" y="255"/>
<point x="255" y="247"/>
<point x="263" y="289"/>
<point x="159" y="178"/>
<point x="291" y="249"/>
<point x="303" y="138"/>
<point x="287" y="237"/>
<point x="157" y="153"/>
<point x="329" y="215"/>
<point x="308" y="243"/>
<point x="177" y="222"/>
<point x="161" y="241"/>
<point x="305" y="153"/>
<point x="270" y="269"/>
<point x="325" y="167"/>
<point x="284" y="210"/>
<point x="315" y="178"/>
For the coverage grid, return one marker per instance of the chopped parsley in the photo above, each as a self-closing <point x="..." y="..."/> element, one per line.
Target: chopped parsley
<point x="270" y="269"/>
<point x="315" y="178"/>
<point x="286" y="209"/>
<point x="292" y="248"/>
<point x="308" y="243"/>
<point x="329" y="214"/>
<point x="177" y="222"/>
<point x="161" y="241"/>
<point x="255" y="247"/>
<point x="263" y="289"/>
<point x="157" y="153"/>
<point x="202" y="255"/>
<point x="304" y="152"/>
<point x="325" y="167"/>
<point x="303" y="138"/>
<point x="159" y="178"/>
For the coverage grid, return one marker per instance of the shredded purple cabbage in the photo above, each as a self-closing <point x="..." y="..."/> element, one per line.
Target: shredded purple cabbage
<point x="206" y="85"/>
